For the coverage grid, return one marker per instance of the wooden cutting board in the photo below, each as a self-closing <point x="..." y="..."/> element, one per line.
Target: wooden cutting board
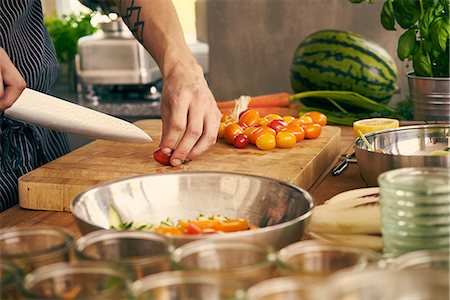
<point x="53" y="185"/>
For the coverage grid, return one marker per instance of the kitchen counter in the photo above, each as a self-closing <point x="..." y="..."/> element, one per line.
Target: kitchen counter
<point x="324" y="188"/>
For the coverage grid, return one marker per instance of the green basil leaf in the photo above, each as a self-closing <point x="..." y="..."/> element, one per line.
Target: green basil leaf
<point x="425" y="22"/>
<point x="422" y="64"/>
<point x="407" y="12"/>
<point x="406" y="44"/>
<point x="439" y="33"/>
<point x="356" y="1"/>
<point x="429" y="3"/>
<point x="387" y="16"/>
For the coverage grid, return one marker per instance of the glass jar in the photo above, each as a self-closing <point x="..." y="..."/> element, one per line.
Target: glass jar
<point x="85" y="280"/>
<point x="138" y="253"/>
<point x="415" y="209"/>
<point x="33" y="247"/>
<point x="247" y="262"/>
<point x="316" y="259"/>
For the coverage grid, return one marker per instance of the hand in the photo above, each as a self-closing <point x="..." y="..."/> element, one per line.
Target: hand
<point x="190" y="114"/>
<point x="11" y="82"/>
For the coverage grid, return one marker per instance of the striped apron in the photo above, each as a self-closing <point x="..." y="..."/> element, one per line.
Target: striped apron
<point x="24" y="147"/>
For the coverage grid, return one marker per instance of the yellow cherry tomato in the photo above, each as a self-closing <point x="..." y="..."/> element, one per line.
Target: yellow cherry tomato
<point x="221" y="132"/>
<point x="305" y="119"/>
<point x="266" y="142"/>
<point x="249" y="117"/>
<point x="288" y="119"/>
<point x="285" y="139"/>
<point x="271" y="117"/>
<point x="262" y="121"/>
<point x="231" y="131"/>
<point x="317" y="117"/>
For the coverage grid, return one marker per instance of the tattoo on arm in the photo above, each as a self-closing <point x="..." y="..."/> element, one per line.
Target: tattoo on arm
<point x="131" y="14"/>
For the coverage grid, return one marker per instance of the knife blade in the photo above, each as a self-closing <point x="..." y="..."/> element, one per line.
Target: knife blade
<point x="47" y="111"/>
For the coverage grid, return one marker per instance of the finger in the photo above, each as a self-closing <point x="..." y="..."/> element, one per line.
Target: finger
<point x="174" y="125"/>
<point x="190" y="137"/>
<point x="12" y="83"/>
<point x="209" y="137"/>
<point x="2" y="90"/>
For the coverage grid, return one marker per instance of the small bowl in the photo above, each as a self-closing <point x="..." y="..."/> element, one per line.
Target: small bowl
<point x="10" y="279"/>
<point x="279" y="210"/>
<point x="282" y="288"/>
<point x="406" y="146"/>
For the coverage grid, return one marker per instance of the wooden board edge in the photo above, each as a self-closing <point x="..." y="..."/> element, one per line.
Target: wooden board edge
<point x="324" y="159"/>
<point x="29" y="196"/>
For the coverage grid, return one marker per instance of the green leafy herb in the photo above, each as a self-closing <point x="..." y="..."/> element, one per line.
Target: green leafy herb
<point x="66" y="31"/>
<point x="426" y="40"/>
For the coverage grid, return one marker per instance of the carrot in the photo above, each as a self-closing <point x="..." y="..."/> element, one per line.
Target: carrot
<point x="265" y="110"/>
<point x="277" y="99"/>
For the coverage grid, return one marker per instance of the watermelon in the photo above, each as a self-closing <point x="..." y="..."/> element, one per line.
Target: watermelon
<point x="344" y="61"/>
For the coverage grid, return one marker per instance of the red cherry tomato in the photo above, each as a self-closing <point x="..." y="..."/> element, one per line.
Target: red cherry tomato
<point x="276" y="124"/>
<point x="193" y="229"/>
<point x="240" y="141"/>
<point x="161" y="157"/>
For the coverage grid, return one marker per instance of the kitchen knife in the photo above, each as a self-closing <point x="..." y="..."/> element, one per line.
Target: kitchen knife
<point x="47" y="111"/>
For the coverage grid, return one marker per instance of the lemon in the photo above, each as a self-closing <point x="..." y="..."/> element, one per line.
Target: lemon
<point x="375" y="124"/>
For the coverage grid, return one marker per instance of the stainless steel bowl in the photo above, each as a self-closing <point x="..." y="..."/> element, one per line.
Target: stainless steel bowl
<point x="280" y="210"/>
<point x="402" y="147"/>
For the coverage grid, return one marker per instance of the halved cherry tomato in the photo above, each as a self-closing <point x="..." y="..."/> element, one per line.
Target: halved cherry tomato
<point x="231" y="131"/>
<point x="240" y="141"/>
<point x="317" y="117"/>
<point x="276" y="124"/>
<point x="266" y="141"/>
<point x="193" y="229"/>
<point x="170" y="230"/>
<point x="162" y="158"/>
<point x="285" y="140"/>
<point x="312" y="131"/>
<point x="259" y="131"/>
<point x="232" y="225"/>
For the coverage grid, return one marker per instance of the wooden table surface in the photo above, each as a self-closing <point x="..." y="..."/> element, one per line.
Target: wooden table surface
<point x="324" y="188"/>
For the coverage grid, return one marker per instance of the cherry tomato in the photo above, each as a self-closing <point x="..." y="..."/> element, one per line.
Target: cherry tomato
<point x="262" y="121"/>
<point x="306" y="120"/>
<point x="249" y="130"/>
<point x="298" y="131"/>
<point x="266" y="142"/>
<point x="288" y="119"/>
<point x="231" y="131"/>
<point x="285" y="140"/>
<point x="240" y="141"/>
<point x="162" y="158"/>
<point x="221" y="132"/>
<point x="249" y="117"/>
<point x="317" y="117"/>
<point x="312" y="131"/>
<point x="273" y="117"/>
<point x="276" y="124"/>
<point x="193" y="229"/>
<point x="259" y="131"/>
<point x="226" y="118"/>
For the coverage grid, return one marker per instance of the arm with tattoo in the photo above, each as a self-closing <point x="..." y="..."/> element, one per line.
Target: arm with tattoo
<point x="189" y="111"/>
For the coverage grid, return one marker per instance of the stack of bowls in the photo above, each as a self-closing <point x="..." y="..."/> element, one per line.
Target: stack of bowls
<point x="415" y="209"/>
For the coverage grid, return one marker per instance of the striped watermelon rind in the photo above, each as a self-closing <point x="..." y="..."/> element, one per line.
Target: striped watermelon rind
<point x="344" y="61"/>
